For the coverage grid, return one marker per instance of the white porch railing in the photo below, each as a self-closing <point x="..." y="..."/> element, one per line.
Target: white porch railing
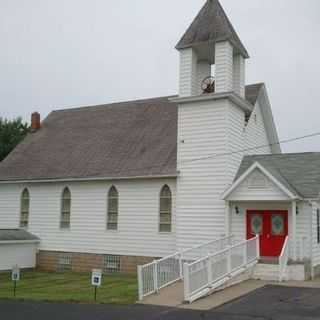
<point x="161" y="273"/>
<point x="283" y="259"/>
<point x="208" y="273"/>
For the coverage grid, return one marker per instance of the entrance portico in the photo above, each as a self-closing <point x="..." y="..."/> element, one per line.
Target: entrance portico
<point x="257" y="203"/>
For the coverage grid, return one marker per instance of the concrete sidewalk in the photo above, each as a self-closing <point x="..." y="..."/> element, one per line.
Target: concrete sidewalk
<point x="173" y="295"/>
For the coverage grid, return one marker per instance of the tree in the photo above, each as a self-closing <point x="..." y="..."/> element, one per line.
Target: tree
<point x="12" y="132"/>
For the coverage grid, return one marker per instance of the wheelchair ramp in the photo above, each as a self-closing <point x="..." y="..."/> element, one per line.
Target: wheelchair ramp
<point x="159" y="274"/>
<point x="220" y="269"/>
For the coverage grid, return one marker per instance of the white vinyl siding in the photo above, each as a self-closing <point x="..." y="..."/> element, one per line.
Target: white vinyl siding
<point x="202" y="131"/>
<point x="256" y="134"/>
<point x="239" y="75"/>
<point x="188" y="81"/>
<point x="224" y="66"/>
<point x="138" y="220"/>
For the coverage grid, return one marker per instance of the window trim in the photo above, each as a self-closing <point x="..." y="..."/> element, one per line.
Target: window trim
<point x="24" y="212"/>
<point x="62" y="211"/>
<point x="113" y="187"/>
<point x="170" y="212"/>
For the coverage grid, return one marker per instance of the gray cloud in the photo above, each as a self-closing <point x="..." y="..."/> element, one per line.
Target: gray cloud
<point x="58" y="54"/>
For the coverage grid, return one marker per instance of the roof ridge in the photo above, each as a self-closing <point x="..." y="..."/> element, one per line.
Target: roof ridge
<point x="132" y="101"/>
<point x="113" y="103"/>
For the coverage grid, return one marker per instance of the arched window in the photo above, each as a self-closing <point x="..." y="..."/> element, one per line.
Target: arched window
<point x="165" y="209"/>
<point x="113" y="199"/>
<point x="25" y="206"/>
<point x="65" y="209"/>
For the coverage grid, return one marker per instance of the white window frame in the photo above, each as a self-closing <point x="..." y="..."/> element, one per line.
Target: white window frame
<point x="109" y="213"/>
<point x="24" y="222"/>
<point x="169" y="212"/>
<point x="63" y="212"/>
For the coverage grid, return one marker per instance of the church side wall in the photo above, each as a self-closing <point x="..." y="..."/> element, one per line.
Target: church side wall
<point x="138" y="225"/>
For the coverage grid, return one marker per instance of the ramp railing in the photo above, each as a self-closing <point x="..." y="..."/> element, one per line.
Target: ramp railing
<point x="163" y="272"/>
<point x="212" y="271"/>
<point x="283" y="259"/>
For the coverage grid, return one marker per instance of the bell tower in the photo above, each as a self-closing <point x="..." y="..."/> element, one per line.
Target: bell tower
<point x="212" y="113"/>
<point x="211" y="50"/>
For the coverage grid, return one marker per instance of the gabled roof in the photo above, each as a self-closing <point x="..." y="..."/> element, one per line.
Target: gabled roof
<point x="129" y="139"/>
<point x="120" y="140"/>
<point x="211" y="25"/>
<point x="298" y="172"/>
<point x="291" y="194"/>
<point x="7" y="235"/>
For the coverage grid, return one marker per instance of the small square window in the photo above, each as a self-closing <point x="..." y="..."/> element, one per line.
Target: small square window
<point x="111" y="264"/>
<point x="64" y="263"/>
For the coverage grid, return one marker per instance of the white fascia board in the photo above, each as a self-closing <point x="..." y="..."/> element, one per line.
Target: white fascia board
<point x="19" y="242"/>
<point x="254" y="166"/>
<point x="235" y="98"/>
<point x="89" y="179"/>
<point x="268" y="119"/>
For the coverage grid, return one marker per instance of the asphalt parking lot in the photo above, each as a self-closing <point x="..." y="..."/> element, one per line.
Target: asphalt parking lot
<point x="270" y="302"/>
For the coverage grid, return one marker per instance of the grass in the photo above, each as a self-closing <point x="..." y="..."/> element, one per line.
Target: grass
<point x="70" y="287"/>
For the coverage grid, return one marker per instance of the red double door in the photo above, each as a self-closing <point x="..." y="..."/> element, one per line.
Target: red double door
<point x="272" y="227"/>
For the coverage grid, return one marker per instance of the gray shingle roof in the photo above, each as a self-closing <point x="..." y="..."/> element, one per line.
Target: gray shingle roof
<point x="211" y="24"/>
<point x="129" y="139"/>
<point x="16" y="235"/>
<point x="299" y="172"/>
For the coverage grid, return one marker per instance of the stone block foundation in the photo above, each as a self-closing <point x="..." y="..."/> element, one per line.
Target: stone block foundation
<point x="84" y="262"/>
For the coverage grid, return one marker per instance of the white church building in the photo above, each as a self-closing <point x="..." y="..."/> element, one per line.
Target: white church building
<point x="119" y="185"/>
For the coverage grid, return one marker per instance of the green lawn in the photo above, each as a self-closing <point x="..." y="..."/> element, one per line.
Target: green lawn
<point x="115" y="288"/>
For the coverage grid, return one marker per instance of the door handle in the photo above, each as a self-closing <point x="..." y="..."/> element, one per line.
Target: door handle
<point x="268" y="236"/>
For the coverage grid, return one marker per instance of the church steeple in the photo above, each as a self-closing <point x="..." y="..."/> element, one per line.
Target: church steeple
<point x="211" y="40"/>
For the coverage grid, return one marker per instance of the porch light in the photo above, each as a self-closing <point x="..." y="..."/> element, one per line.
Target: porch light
<point x="297" y="210"/>
<point x="237" y="210"/>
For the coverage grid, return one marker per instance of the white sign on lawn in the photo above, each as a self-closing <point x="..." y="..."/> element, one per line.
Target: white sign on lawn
<point x="96" y="277"/>
<point x="15" y="274"/>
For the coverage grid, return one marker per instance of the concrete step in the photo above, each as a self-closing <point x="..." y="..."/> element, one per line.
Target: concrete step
<point x="267" y="272"/>
<point x="270" y="272"/>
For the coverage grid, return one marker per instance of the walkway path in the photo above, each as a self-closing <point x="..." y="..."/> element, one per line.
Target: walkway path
<point x="173" y="296"/>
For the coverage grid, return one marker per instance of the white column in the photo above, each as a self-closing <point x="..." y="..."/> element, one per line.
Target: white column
<point x="224" y="67"/>
<point x="188" y="73"/>
<point x="294" y="230"/>
<point x="239" y="63"/>
<point x="228" y="219"/>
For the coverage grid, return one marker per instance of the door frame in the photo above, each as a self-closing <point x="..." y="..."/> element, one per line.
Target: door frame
<point x="267" y="225"/>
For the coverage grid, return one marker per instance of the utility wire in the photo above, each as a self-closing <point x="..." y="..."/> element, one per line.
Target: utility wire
<point x="215" y="155"/>
<point x="252" y="148"/>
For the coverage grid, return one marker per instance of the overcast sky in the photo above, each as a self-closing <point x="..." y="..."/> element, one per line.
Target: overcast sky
<point x="65" y="53"/>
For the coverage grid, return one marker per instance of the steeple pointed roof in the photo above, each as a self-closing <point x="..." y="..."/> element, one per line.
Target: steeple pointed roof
<point x="211" y="25"/>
